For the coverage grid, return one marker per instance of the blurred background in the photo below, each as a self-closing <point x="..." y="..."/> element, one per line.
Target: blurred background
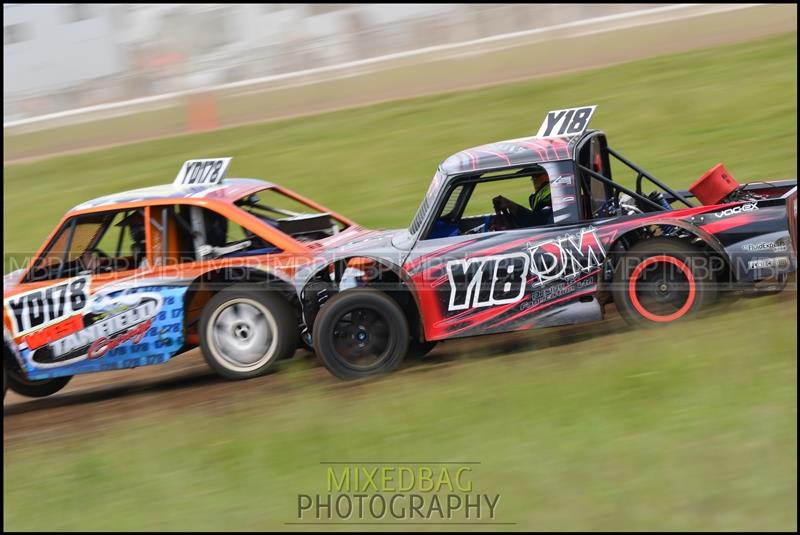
<point x="199" y="67"/>
<point x="111" y="53"/>
<point x="592" y="427"/>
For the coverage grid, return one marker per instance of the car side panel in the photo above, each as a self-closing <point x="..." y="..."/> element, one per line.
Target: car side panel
<point x="103" y="328"/>
<point x="564" y="266"/>
<point x="506" y="281"/>
<point x="111" y="322"/>
<point x="755" y="236"/>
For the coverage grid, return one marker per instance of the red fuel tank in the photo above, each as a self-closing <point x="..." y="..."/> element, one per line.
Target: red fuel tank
<point x="716" y="184"/>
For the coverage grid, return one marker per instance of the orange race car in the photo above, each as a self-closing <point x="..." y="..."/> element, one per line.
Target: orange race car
<point x="135" y="278"/>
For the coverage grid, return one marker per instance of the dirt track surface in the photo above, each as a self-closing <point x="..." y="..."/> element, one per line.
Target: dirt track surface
<point x="95" y="401"/>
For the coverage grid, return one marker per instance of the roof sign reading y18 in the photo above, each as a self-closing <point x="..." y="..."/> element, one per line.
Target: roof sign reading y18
<point x="202" y="172"/>
<point x="569" y="122"/>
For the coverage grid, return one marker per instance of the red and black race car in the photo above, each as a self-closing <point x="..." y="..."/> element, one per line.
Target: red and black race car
<point x="248" y="271"/>
<point x="538" y="232"/>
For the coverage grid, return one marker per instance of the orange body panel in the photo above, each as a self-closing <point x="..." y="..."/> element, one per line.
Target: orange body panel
<point x="293" y="253"/>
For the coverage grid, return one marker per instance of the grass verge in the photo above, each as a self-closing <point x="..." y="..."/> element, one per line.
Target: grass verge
<point x="680" y="428"/>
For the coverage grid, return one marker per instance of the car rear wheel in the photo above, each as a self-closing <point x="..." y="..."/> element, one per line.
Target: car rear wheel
<point x="17" y="382"/>
<point x="360" y="333"/>
<point x="662" y="280"/>
<point x="244" y="330"/>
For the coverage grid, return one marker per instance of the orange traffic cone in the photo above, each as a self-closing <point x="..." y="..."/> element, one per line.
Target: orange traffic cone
<point x="202" y="112"/>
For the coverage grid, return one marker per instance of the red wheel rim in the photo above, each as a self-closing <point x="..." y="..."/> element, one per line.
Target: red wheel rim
<point x="641" y="309"/>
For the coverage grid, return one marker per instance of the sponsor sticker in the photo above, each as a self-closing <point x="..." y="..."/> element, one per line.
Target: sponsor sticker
<point x="775" y="246"/>
<point x="105" y="324"/>
<point x="556" y="290"/>
<point x="766" y="263"/>
<point x="748" y="207"/>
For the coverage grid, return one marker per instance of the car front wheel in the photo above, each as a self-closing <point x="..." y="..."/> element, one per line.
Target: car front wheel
<point x="15" y="381"/>
<point x="360" y="333"/>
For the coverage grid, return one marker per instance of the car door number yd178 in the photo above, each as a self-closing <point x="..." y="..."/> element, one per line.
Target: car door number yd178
<point x="41" y="307"/>
<point x="502" y="279"/>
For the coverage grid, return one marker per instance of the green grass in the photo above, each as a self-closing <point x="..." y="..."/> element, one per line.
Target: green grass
<point x="687" y="427"/>
<point x="675" y="115"/>
<point x="684" y="428"/>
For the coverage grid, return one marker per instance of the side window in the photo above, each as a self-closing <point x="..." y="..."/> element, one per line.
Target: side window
<point x="172" y="234"/>
<point x="186" y="233"/>
<point x="124" y="236"/>
<point x="220" y="237"/>
<point x="493" y="204"/>
<point x="449" y="210"/>
<point x="515" y="190"/>
<point x="103" y="242"/>
<point x="47" y="265"/>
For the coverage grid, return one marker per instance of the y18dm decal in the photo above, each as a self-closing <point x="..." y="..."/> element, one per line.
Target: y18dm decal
<point x="566" y="257"/>
<point x="501" y="279"/>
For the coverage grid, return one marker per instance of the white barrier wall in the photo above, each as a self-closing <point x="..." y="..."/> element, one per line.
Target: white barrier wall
<point x="61" y="57"/>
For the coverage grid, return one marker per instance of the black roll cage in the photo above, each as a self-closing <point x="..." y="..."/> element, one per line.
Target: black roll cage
<point x="640" y="173"/>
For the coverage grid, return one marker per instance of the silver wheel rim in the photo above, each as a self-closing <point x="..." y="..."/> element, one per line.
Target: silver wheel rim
<point x="242" y="335"/>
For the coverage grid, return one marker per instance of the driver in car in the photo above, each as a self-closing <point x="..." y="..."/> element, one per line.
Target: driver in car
<point x="92" y="261"/>
<point x="541" y="208"/>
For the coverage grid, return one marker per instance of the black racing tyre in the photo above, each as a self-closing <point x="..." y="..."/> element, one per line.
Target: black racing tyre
<point x="360" y="333"/>
<point x="245" y="329"/>
<point x="417" y="349"/>
<point x="662" y="280"/>
<point x="16" y="382"/>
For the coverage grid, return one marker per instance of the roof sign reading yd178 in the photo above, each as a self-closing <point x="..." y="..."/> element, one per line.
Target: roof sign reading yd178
<point x="569" y="122"/>
<point x="202" y="172"/>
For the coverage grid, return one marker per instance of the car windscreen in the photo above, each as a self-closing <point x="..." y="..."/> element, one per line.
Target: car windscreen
<point x="427" y="202"/>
